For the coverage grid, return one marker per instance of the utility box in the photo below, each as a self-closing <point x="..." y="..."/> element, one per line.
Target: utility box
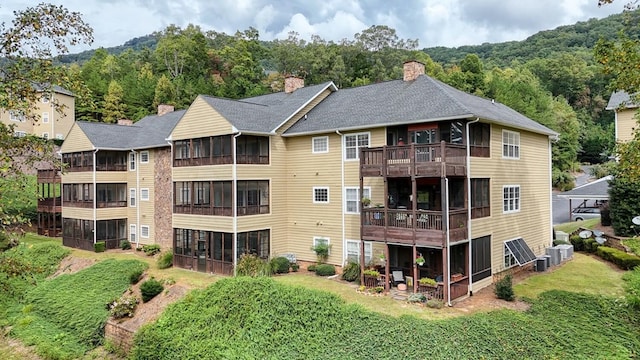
<point x="555" y="255"/>
<point x="566" y="251"/>
<point x="541" y="264"/>
<point x="561" y="235"/>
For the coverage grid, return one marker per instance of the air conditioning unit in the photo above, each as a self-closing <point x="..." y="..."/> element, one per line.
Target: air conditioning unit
<point x="566" y="251"/>
<point x="541" y="264"/>
<point x="561" y="235"/>
<point x="555" y="255"/>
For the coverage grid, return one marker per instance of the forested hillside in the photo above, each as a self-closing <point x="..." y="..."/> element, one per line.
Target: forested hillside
<point x="550" y="77"/>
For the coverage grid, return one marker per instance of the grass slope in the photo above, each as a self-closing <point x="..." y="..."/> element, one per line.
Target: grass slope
<point x="65" y="316"/>
<point x="244" y="318"/>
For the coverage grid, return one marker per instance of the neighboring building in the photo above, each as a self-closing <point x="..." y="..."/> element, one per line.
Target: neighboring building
<point x="116" y="184"/>
<point x="49" y="202"/>
<point x="625" y="115"/>
<point x="461" y="180"/>
<point x="51" y="124"/>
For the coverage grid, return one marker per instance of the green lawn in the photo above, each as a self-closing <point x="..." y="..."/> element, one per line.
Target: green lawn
<point x="584" y="274"/>
<point x="573" y="226"/>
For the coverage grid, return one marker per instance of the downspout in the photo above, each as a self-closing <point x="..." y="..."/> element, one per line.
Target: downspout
<point x="138" y="229"/>
<point x="234" y="172"/>
<point x="344" y="245"/>
<point x="95" y="212"/>
<point x="447" y="227"/>
<point x="469" y="202"/>
<point x="551" y="192"/>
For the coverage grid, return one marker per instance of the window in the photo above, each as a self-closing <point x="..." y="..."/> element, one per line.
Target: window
<point x="144" y="231"/>
<point x="254" y="242"/>
<point x="45" y="135"/>
<point x="352" y="199"/>
<point x="320" y="145"/>
<point x="321" y="195"/>
<point x="20" y="134"/>
<point x="481" y="258"/>
<point x="252" y="149"/>
<point x="45" y="117"/>
<point x="132" y="233"/>
<point x="353" y="251"/>
<point x="321" y="240"/>
<point x="132" y="161"/>
<point x="16" y="116"/>
<point x="132" y="197"/>
<point x="479" y="137"/>
<point x="253" y="197"/>
<point x="480" y="206"/>
<point x="510" y="144"/>
<point x="144" y="194"/>
<point x="44" y="99"/>
<point x="510" y="198"/>
<point x="353" y="143"/>
<point x="144" y="157"/>
<point x="59" y="136"/>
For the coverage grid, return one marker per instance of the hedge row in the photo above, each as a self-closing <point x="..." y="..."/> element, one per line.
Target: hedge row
<point x="622" y="259"/>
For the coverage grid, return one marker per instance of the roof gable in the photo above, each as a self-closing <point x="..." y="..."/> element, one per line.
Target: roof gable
<point x="620" y="99"/>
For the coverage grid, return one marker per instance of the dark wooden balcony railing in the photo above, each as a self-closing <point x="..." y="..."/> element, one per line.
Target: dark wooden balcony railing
<point x="423" y="227"/>
<point x="203" y="210"/>
<point x="48" y="176"/>
<point x="416" y="159"/>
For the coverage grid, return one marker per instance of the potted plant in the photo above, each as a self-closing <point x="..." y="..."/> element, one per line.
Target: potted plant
<point x="383" y="259"/>
<point x="427" y="281"/>
<point x="366" y="202"/>
<point x="420" y="260"/>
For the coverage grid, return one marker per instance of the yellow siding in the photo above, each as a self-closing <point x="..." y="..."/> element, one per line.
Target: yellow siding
<point x="626" y="124"/>
<point x="209" y="223"/>
<point x="202" y="173"/>
<point x="303" y="111"/>
<point x="112" y="176"/>
<point x="111" y="213"/>
<point x="531" y="172"/>
<point x="77" y="213"/>
<point x="201" y="120"/>
<point x="83" y="177"/>
<point x="58" y="124"/>
<point x="76" y="141"/>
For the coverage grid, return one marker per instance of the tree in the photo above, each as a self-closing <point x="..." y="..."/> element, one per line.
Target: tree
<point x="28" y="47"/>
<point x="114" y="109"/>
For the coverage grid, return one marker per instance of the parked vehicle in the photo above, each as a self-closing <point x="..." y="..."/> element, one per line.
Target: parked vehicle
<point x="584" y="213"/>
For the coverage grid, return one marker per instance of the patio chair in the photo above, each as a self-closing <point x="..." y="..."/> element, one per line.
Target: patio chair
<point x="397" y="277"/>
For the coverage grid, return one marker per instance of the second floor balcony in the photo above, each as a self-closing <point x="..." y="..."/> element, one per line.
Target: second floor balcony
<point x="420" y="227"/>
<point x="422" y="160"/>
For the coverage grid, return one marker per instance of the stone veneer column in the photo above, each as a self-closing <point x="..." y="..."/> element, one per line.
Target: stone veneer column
<point x="163" y="198"/>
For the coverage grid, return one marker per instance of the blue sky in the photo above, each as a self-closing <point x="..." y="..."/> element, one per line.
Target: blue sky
<point x="448" y="23"/>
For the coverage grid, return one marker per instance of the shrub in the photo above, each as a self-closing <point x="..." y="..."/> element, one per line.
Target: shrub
<point x="371" y="272"/>
<point x="351" y="271"/>
<point x="125" y="245"/>
<point x="623" y="260"/>
<point x="150" y="288"/>
<point x="280" y="265"/>
<point x="135" y="276"/>
<point x="560" y="242"/>
<point x="577" y="242"/>
<point x="435" y="304"/>
<point x="165" y="260"/>
<point x="312" y="267"/>
<point x="591" y="245"/>
<point x="428" y="281"/>
<point x="504" y="288"/>
<point x="605" y="215"/>
<point x="322" y="252"/>
<point x="151" y="249"/>
<point x="123" y="307"/>
<point x="562" y="180"/>
<point x="416" y="297"/>
<point x="377" y="289"/>
<point x="325" y="270"/>
<point x="295" y="267"/>
<point x="252" y="265"/>
<point x="100" y="246"/>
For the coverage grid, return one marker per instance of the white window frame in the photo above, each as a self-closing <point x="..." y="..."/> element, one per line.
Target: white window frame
<point x="510" y="144"/>
<point x="19" y="134"/>
<point x="16" y="116"/>
<point x="366" y="192"/>
<point x="509" y="260"/>
<point x="357" y="146"/>
<point x="132" y="233"/>
<point x="144" y="157"/>
<point x="315" y="194"/>
<point x="44" y="99"/>
<point x="45" y="117"/>
<point x="45" y="135"/>
<point x="132" y="197"/>
<point x="318" y="147"/>
<point x="511" y="204"/>
<point x="144" y="231"/>
<point x="132" y="161"/>
<point x="144" y="194"/>
<point x="316" y="242"/>
<point x="59" y="136"/>
<point x="368" y="250"/>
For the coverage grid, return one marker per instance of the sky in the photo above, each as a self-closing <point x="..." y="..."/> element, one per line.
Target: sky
<point x="449" y="23"/>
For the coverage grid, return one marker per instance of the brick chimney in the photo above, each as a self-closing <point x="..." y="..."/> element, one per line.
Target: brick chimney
<point x="292" y="83"/>
<point x="412" y="69"/>
<point x="165" y="109"/>
<point x="125" y="122"/>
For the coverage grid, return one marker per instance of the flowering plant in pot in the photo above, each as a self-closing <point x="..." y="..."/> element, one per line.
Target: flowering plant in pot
<point x="420" y="260"/>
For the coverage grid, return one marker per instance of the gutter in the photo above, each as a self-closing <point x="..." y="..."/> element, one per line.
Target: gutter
<point x="138" y="203"/>
<point x="95" y="211"/>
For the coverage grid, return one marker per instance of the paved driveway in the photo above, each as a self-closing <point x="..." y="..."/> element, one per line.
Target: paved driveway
<point x="560" y="207"/>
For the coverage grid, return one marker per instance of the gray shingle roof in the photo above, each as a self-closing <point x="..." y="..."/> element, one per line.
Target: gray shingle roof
<point x="149" y="132"/>
<point x="55" y="88"/>
<point x="618" y="99"/>
<point x="263" y="114"/>
<point x="404" y="102"/>
<point x="598" y="189"/>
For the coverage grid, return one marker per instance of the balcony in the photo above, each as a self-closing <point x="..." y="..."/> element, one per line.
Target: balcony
<point x="50" y="205"/>
<point x="421" y="160"/>
<point x="422" y="227"/>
